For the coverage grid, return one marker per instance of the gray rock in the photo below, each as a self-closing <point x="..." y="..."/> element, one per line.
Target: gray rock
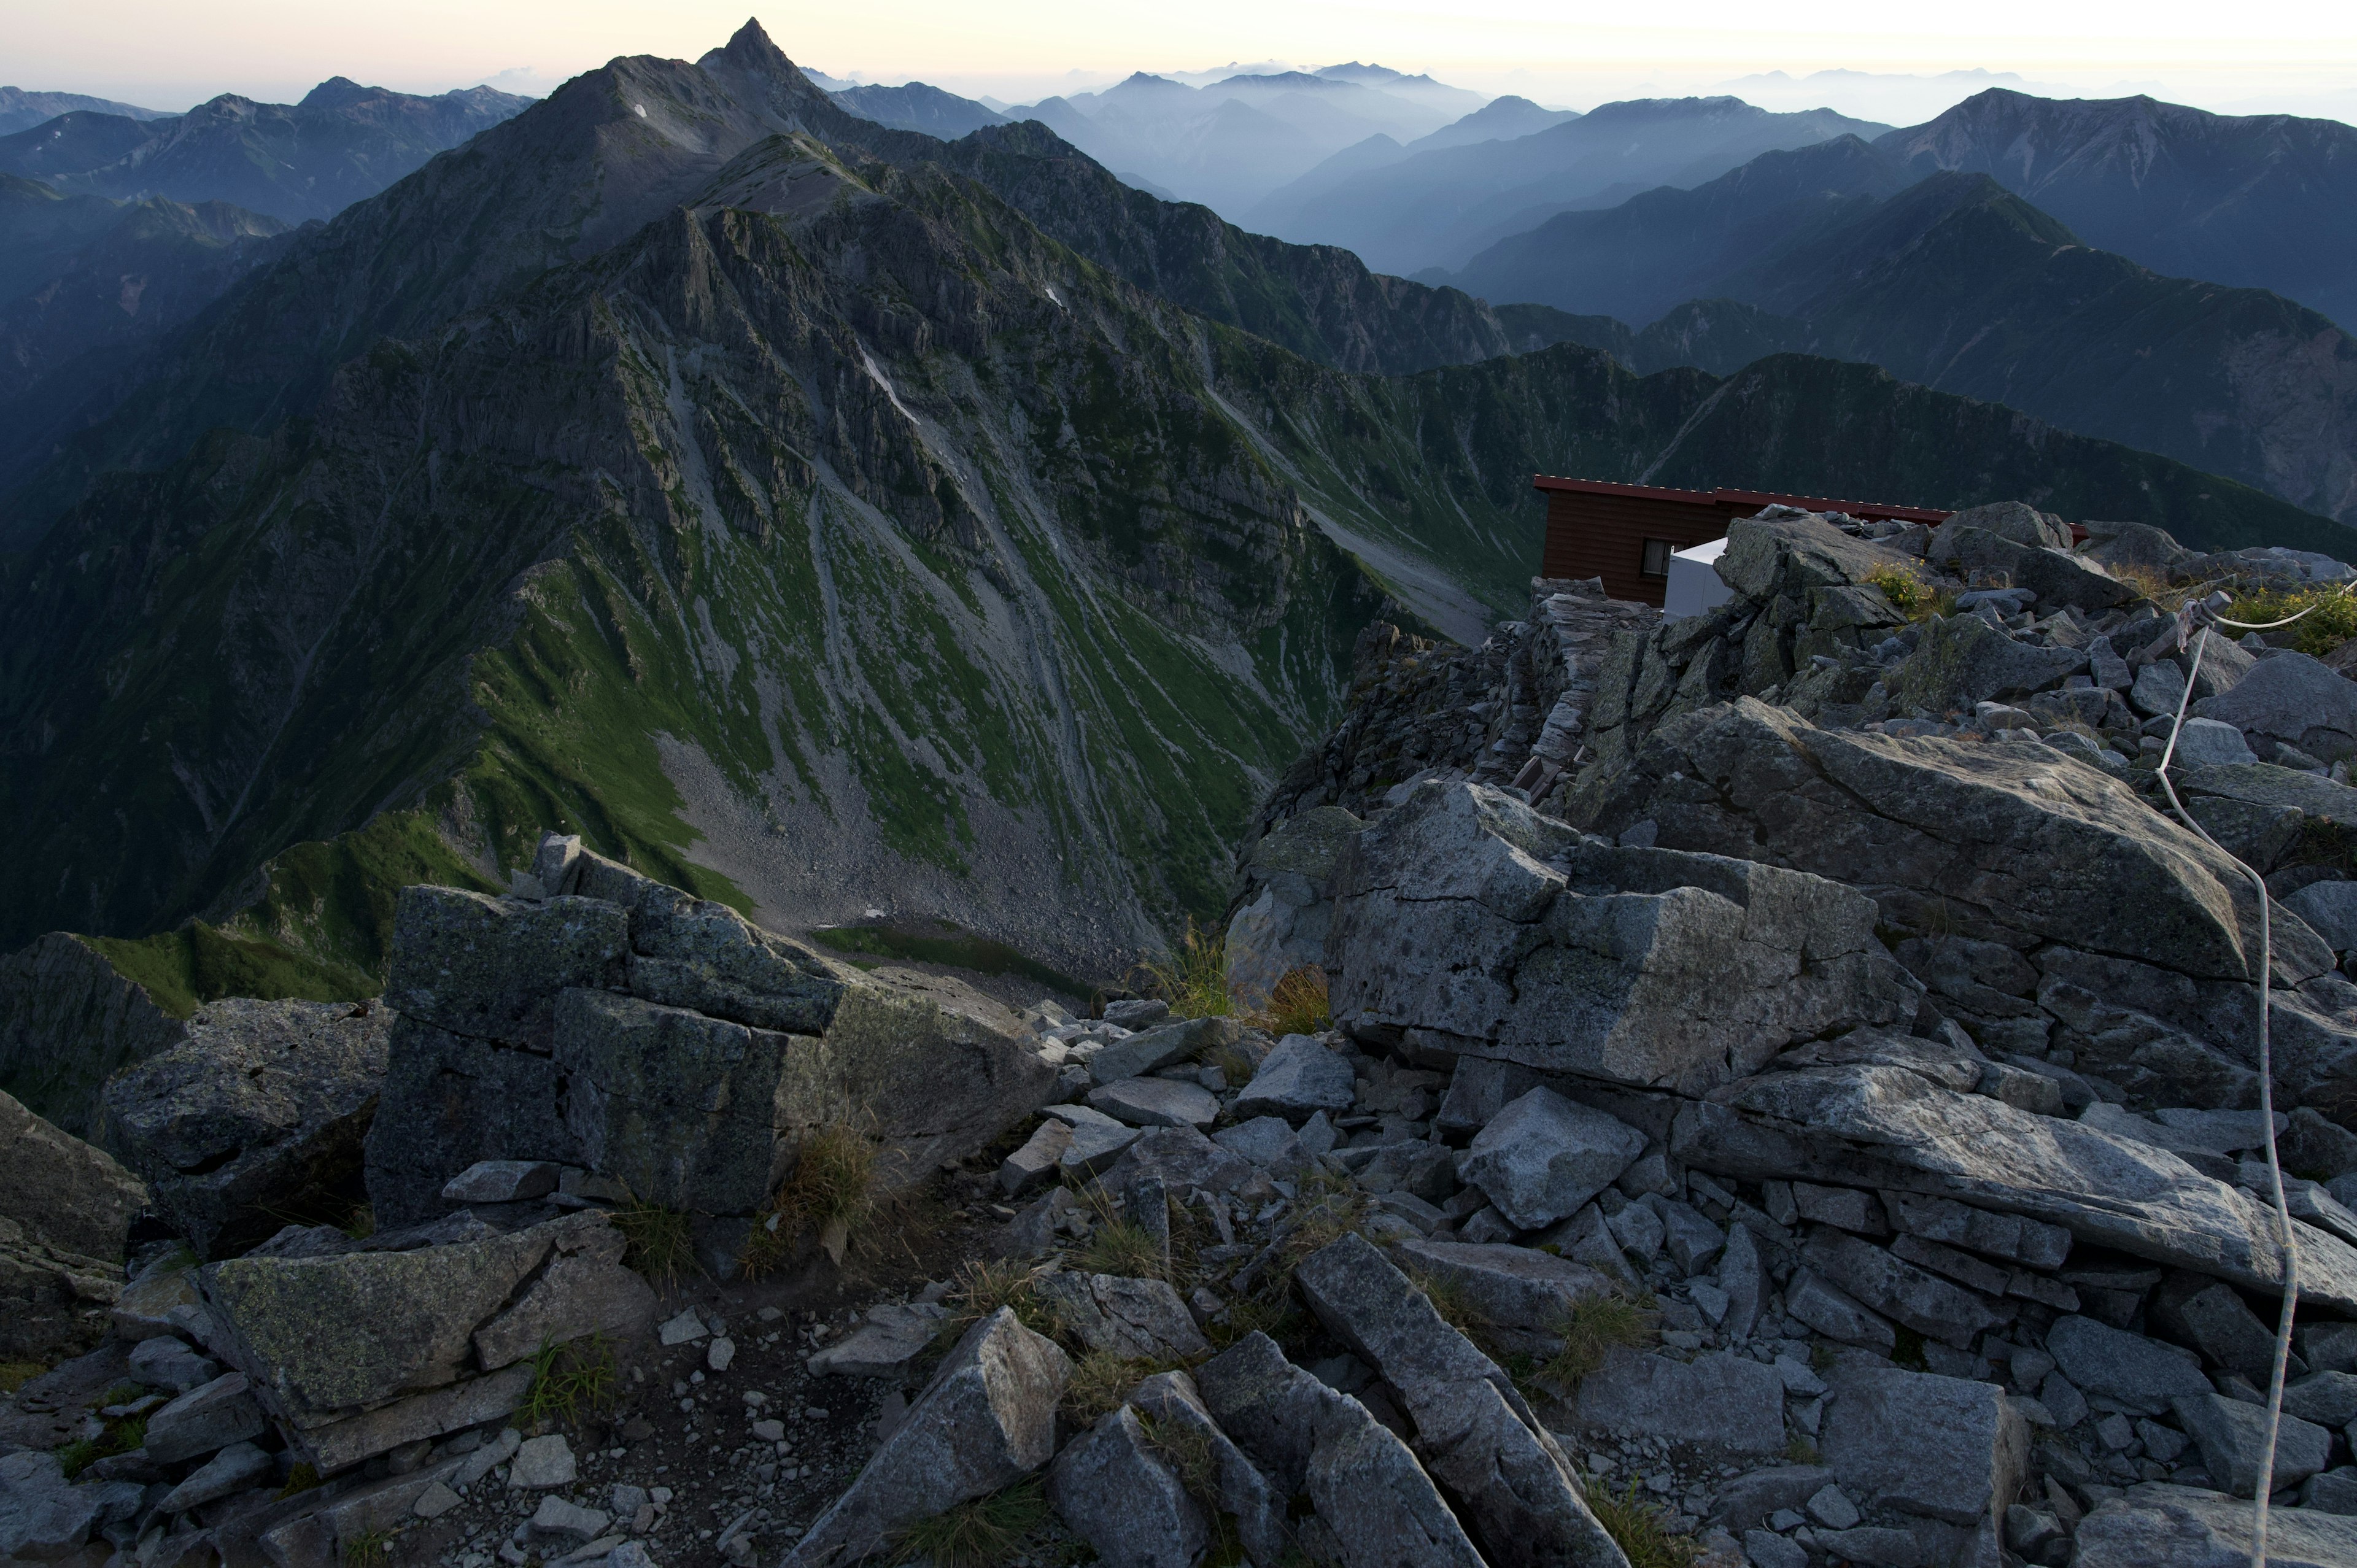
<point x="1297" y="1077"/>
<point x="1182" y="1159"/>
<point x="1896" y="1130"/>
<point x="1639" y="1229"/>
<point x="2156" y="1526"/>
<point x="1121" y="1494"/>
<point x="501" y="1181"/>
<point x="2218" y="1323"/>
<point x="2140" y="1373"/>
<point x="1156" y="1102"/>
<point x="1473" y="1429"/>
<point x="164" y="1362"/>
<point x="1835" y="1314"/>
<point x="2062" y="1401"/>
<point x="1844" y="1206"/>
<point x="1184" y="1040"/>
<point x="1963" y="660"/>
<point x="542" y="1462"/>
<point x="260" y="1112"/>
<point x="1425" y="1171"/>
<point x="1477" y="1090"/>
<point x="2158" y="688"/>
<point x="2331" y="1492"/>
<point x="1831" y="1507"/>
<point x="1721" y="1401"/>
<point x="1267" y="1142"/>
<point x="2013" y="521"/>
<point x="1171" y="1401"/>
<point x="1923" y="1301"/>
<point x="1693" y="1242"/>
<point x="691" y="952"/>
<point x="42" y="1517"/>
<point x="448" y="1102"/>
<point x="1639" y="966"/>
<point x="491" y="968"/>
<point x="1543" y="1157"/>
<point x="69" y="1021"/>
<point x="62" y="1192"/>
<point x="1586" y="1238"/>
<point x="2331" y="910"/>
<point x="1749" y="1499"/>
<point x="2013" y="847"/>
<point x="986" y="1420"/>
<point x="1941" y="1447"/>
<point x="2328" y="1399"/>
<point x="2208" y="743"/>
<point x="1037" y="1162"/>
<point x="204" y="1420"/>
<point x="675" y="1105"/>
<point x="2231" y="1435"/>
<point x="338" y="1444"/>
<point x="1765" y="1548"/>
<point x="1743" y="1275"/>
<point x="567" y="1524"/>
<point x="1138" y="1320"/>
<point x="2294" y="699"/>
<point x="1364" y="1484"/>
<point x="2328" y="1346"/>
<point x="1137" y="1012"/>
<point x="326" y="1337"/>
<point x="233" y="1470"/>
<point x="2007" y="1236"/>
<point x="1512" y="1287"/>
<point x="1092" y="1147"/>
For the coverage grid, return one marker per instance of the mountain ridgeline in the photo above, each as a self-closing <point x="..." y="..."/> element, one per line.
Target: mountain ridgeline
<point x="1953" y="281"/>
<point x="820" y="516"/>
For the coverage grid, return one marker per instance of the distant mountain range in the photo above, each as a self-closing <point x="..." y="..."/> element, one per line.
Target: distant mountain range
<point x="816" y="514"/>
<point x="292" y="162"/>
<point x="1956" y="283"/>
<point x="915" y="106"/>
<point x="21" y="111"/>
<point x="1436" y="208"/>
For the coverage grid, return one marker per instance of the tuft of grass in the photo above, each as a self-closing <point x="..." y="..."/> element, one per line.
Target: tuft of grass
<point x="2331" y="617"/>
<point x="120" y="1437"/>
<point x="1298" y="1005"/>
<point x="14" y="1375"/>
<point x="1101" y="1381"/>
<point x="983" y="1287"/>
<point x="1638" y="1528"/>
<point x="569" y="1379"/>
<point x="659" y="1243"/>
<point x="832" y="1189"/>
<point x="1909" y="1349"/>
<point x="983" y="1533"/>
<point x="1276" y="1316"/>
<point x="361" y="1224"/>
<point x="369" y="1548"/>
<point x="1800" y="1451"/>
<point x="303" y="1477"/>
<point x="1194" y="978"/>
<point x="1820" y="1358"/>
<point x="1452" y="1301"/>
<point x="1594" y="1325"/>
<point x="1122" y="1248"/>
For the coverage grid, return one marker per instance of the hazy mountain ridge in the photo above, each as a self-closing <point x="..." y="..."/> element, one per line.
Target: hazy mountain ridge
<point x="21" y="111"/>
<point x="1954" y="282"/>
<point x="341" y="142"/>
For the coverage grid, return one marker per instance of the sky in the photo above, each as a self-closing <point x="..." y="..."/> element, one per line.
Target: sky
<point x="2289" y="55"/>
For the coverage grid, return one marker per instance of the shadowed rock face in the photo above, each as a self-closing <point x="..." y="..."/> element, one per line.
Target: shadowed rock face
<point x="1467" y="915"/>
<point x="258" y="1116"/>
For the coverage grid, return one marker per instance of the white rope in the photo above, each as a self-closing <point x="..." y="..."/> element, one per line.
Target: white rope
<point x="2283" y="1238"/>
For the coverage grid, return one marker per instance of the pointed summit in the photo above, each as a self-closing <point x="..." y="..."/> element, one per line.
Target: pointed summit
<point x="761" y="74"/>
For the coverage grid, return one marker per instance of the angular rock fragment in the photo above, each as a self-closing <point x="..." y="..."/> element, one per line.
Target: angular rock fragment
<point x="1134" y="1319"/>
<point x="1929" y="1304"/>
<point x="261" y="1110"/>
<point x="1729" y="1403"/>
<point x="2231" y="1436"/>
<point x="1639" y="966"/>
<point x="1125" y="1498"/>
<point x="1543" y="1157"/>
<point x="2157" y="1526"/>
<point x="1173" y="1405"/>
<point x="1512" y="1287"/>
<point x="1943" y="1447"/>
<point x="491" y="969"/>
<point x="986" y="1421"/>
<point x="1298" y="1078"/>
<point x="884" y="1344"/>
<point x="1835" y="1314"/>
<point x="501" y="1181"/>
<point x="1365" y="1486"/>
<point x="204" y="1420"/>
<point x="1160" y="1047"/>
<point x="1476" y="1434"/>
<point x="1156" y="1102"/>
<point x="2140" y="1373"/>
<point x="1035" y="1163"/>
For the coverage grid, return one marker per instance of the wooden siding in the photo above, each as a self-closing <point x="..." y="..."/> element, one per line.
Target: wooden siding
<point x="1604" y="536"/>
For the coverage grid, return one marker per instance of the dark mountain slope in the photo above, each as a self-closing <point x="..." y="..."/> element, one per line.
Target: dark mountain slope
<point x="294" y="161"/>
<point x="2260" y="200"/>
<point x="21" y="111"/>
<point x="41" y="227"/>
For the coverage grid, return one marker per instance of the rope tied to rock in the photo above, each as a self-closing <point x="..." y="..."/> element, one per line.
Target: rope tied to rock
<point x="2194" y="620"/>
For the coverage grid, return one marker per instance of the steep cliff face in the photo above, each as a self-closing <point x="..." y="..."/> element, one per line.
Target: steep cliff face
<point x="841" y="519"/>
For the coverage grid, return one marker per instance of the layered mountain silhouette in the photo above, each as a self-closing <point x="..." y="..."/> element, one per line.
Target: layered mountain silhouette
<point x="819" y="515"/>
<point x="292" y="162"/>
<point x="21" y="111"/>
<point x="1437" y="207"/>
<point x="1958" y="283"/>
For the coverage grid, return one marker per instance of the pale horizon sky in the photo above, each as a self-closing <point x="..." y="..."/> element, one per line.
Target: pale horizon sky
<point x="2270" y="55"/>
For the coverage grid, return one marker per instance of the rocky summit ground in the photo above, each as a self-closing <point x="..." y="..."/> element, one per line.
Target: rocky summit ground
<point x="1778" y="1087"/>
